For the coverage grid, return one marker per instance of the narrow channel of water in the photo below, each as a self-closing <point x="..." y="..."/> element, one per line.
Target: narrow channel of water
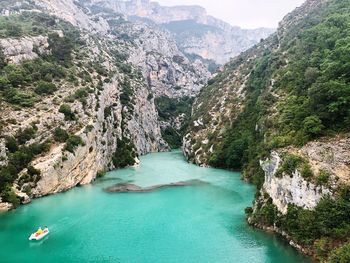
<point x="203" y="222"/>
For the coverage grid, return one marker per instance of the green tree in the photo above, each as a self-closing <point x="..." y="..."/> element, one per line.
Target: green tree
<point x="313" y="125"/>
<point x="2" y="59"/>
<point x="61" y="135"/>
<point x="73" y="142"/>
<point x="61" y="48"/>
<point x="68" y="113"/>
<point x="44" y="87"/>
<point x="13" y="30"/>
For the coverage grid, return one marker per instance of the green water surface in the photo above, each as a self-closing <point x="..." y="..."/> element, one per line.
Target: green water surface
<point x="203" y="222"/>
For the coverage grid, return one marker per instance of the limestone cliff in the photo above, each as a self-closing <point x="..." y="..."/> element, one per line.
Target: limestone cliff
<point x="78" y="94"/>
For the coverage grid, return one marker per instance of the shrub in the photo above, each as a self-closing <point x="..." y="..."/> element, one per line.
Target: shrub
<point x="61" y="48"/>
<point x="44" y="87"/>
<point x="313" y="125"/>
<point x="306" y="171"/>
<point x="16" y="97"/>
<point x="2" y="60"/>
<point x="81" y="93"/>
<point x="11" y="144"/>
<point x="32" y="171"/>
<point x="61" y="135"/>
<point x="39" y="148"/>
<point x="73" y="142"/>
<point x="9" y="196"/>
<point x="290" y="164"/>
<point x="108" y="112"/>
<point x="4" y="83"/>
<point x="13" y="30"/>
<point x="100" y="174"/>
<point x="26" y="135"/>
<point x="266" y="214"/>
<point x="16" y="75"/>
<point x="323" y="177"/>
<point x="67" y="111"/>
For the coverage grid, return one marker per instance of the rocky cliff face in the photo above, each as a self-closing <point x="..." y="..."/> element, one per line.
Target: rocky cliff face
<point x="195" y="31"/>
<point x="19" y="50"/>
<point x="328" y="157"/>
<point x="168" y="71"/>
<point x="288" y="189"/>
<point x="100" y="111"/>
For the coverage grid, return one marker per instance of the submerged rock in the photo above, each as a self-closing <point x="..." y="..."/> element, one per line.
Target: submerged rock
<point x="124" y="188"/>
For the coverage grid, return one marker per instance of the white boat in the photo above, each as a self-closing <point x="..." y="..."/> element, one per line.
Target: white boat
<point x="40" y="234"/>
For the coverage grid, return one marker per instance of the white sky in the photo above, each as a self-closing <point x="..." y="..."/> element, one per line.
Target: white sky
<point x="243" y="13"/>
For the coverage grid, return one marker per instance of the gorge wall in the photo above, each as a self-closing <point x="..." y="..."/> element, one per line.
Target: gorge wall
<point x="274" y="112"/>
<point x="78" y="91"/>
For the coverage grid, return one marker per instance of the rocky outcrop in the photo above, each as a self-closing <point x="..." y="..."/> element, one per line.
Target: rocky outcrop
<point x="70" y="11"/>
<point x="27" y="48"/>
<point x="290" y="189"/>
<point x="4" y="206"/>
<point x="328" y="155"/>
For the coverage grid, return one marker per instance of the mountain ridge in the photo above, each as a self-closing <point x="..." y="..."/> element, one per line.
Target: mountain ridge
<point x="219" y="45"/>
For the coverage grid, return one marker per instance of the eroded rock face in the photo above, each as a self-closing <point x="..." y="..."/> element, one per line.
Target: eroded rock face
<point x="68" y="10"/>
<point x="328" y="155"/>
<point x="331" y="155"/>
<point x="290" y="189"/>
<point x="26" y="48"/>
<point x="168" y="71"/>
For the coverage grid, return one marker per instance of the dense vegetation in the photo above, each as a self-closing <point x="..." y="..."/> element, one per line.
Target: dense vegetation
<point x="168" y="110"/>
<point x="20" y="156"/>
<point x="295" y="94"/>
<point x="22" y="85"/>
<point x="321" y="229"/>
<point x="34" y="24"/>
<point x="125" y="153"/>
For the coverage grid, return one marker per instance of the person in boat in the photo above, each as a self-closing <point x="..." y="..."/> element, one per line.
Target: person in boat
<point x="40" y="231"/>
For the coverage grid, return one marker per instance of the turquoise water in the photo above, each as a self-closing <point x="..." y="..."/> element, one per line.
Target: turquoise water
<point x="199" y="223"/>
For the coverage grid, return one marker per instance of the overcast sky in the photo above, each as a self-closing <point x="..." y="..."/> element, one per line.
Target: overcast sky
<point x="244" y="13"/>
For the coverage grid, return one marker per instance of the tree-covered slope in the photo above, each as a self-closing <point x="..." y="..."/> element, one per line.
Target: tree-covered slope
<point x="289" y="94"/>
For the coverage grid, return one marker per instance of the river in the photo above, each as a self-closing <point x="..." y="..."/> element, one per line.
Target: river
<point x="203" y="222"/>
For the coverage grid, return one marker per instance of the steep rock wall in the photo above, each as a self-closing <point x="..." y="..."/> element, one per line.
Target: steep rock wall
<point x="290" y="189"/>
